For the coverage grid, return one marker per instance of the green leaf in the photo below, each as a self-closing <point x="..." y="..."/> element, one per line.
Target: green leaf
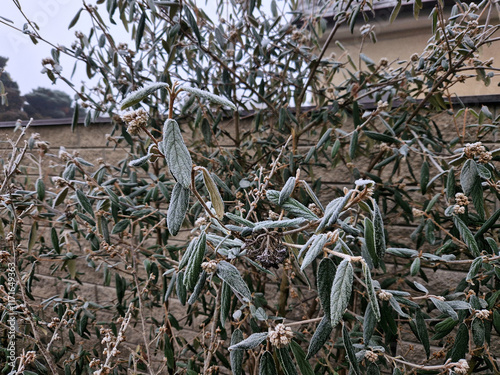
<point x="496" y="321"/>
<point x="250" y="342"/>
<point x="187" y="254"/>
<point x="136" y="96"/>
<point x="213" y="191"/>
<point x="198" y="288"/>
<point x="381" y="137"/>
<point x="478" y="332"/>
<point x="84" y="202"/>
<point x="286" y="361"/>
<point x="474" y="269"/>
<point x="40" y="189"/>
<point x="372" y="296"/>
<point x="193" y="268"/>
<point x="369" y="324"/>
<point x="422" y="331"/>
<point x="177" y="209"/>
<point x="176" y="153"/>
<point x="75" y="19"/>
<point x="424" y="177"/>
<point x="488" y="224"/>
<point x="300" y="357"/>
<point x="469" y="176"/>
<point x="209" y="96"/>
<point x="378" y="229"/>
<point x="230" y="274"/>
<point x="315" y="249"/>
<point x="349" y="349"/>
<point x="74" y="122"/>
<point x="287" y="190"/>
<point x="61" y="197"/>
<point x="395" y="12"/>
<point x="120" y="226"/>
<point x="467" y="236"/>
<point x="415" y="266"/>
<point x="236" y="356"/>
<point x="292" y="206"/>
<point x="181" y="288"/>
<point x="444" y="308"/>
<point x="267" y="365"/>
<point x="140" y="31"/>
<point x="225" y="304"/>
<point x="372" y="369"/>
<point x="461" y="345"/>
<point x="324" y="279"/>
<point x="353" y="146"/>
<point x="341" y="291"/>
<point x="370" y="241"/>
<point x="320" y="337"/>
<point x="450" y="184"/>
<point x="192" y="24"/>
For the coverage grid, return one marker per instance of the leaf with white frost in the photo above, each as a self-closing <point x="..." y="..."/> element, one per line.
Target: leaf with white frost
<point x="341" y="291"/>
<point x="176" y="153"/>
<point x="138" y="95"/>
<point x="209" y="96"/>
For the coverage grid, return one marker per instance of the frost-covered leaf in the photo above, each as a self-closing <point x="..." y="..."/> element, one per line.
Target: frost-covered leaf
<point x="341" y="291"/>
<point x="250" y="342"/>
<point x="236" y="356"/>
<point x="215" y="197"/>
<point x="177" y="209"/>
<point x="176" y="153"/>
<point x="372" y="296"/>
<point x="320" y="337"/>
<point x="315" y="249"/>
<point x="209" y="96"/>
<point x="230" y="274"/>
<point x="287" y="190"/>
<point x="136" y="96"/>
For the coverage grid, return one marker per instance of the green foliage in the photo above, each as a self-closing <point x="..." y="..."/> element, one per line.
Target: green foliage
<point x="220" y="218"/>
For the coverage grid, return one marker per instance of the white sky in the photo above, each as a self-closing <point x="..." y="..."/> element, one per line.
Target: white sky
<point x="53" y="18"/>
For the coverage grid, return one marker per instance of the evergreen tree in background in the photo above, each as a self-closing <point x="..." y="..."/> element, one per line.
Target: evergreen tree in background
<point x="12" y="101"/>
<point x="46" y="103"/>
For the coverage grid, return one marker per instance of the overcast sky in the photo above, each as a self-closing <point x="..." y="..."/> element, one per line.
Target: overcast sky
<point x="53" y="18"/>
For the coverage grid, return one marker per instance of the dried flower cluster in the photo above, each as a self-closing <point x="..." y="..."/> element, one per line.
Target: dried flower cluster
<point x="210" y="266"/>
<point x="461" y="199"/>
<point x="384" y="296"/>
<point x="472" y="150"/>
<point x="482" y="314"/>
<point x="136" y="120"/>
<point x="461" y="367"/>
<point x="371" y="356"/>
<point x="280" y="336"/>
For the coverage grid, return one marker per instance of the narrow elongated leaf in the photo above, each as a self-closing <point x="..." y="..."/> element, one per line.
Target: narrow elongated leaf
<point x="40" y="189"/>
<point x="215" y="197"/>
<point x="286" y="361"/>
<point x="230" y="274"/>
<point x="177" y="209"/>
<point x="287" y="190"/>
<point x="353" y="146"/>
<point x="378" y="229"/>
<point x="467" y="236"/>
<point x="267" y="365"/>
<point x="444" y="308"/>
<point x="187" y="254"/>
<point x="325" y="277"/>
<point x="193" y="268"/>
<point x="369" y="324"/>
<point x="136" y="96"/>
<point x="349" y="349"/>
<point x="461" y="345"/>
<point x="250" y="342"/>
<point x="341" y="291"/>
<point x="225" y="303"/>
<point x="292" y="206"/>
<point x="176" y="153"/>
<point x="209" y="96"/>
<point x="478" y="332"/>
<point x="320" y="337"/>
<point x="286" y="223"/>
<point x="474" y="269"/>
<point x="198" y="288"/>
<point x="300" y="357"/>
<point x="84" y="202"/>
<point x="181" y="288"/>
<point x="372" y="296"/>
<point x="468" y="176"/>
<point x="488" y="224"/>
<point x="370" y="241"/>
<point x="395" y="305"/>
<point x="236" y="356"/>
<point x="422" y="331"/>
<point x="424" y="177"/>
<point x="315" y="249"/>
